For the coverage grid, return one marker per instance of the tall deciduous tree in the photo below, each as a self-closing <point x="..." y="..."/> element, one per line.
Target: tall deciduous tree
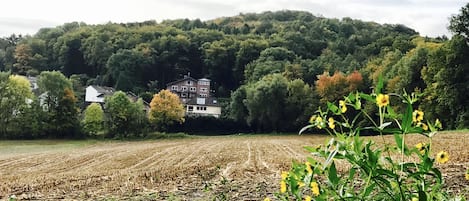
<point x="123" y="116"/>
<point x="165" y="110"/>
<point x="93" y="120"/>
<point x="265" y="101"/>
<point x="58" y="100"/>
<point x="459" y="23"/>
<point x="15" y="92"/>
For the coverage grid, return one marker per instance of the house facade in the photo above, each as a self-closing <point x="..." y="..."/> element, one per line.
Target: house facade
<point x="195" y="95"/>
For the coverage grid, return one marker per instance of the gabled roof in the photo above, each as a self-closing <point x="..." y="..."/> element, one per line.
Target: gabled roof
<point x="209" y="101"/>
<point x="103" y="89"/>
<point x="204" y="79"/>
<point x="182" y="80"/>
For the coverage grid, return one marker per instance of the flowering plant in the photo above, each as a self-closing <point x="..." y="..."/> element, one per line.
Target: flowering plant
<point x="394" y="171"/>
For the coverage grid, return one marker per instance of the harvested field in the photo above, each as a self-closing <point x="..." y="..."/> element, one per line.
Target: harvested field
<point x="206" y="168"/>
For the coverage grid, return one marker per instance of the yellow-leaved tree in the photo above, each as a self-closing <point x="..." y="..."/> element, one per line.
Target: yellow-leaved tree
<point x="165" y="110"/>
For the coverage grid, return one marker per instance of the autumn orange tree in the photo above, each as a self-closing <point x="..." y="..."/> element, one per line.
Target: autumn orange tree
<point x="165" y="110"/>
<point x="333" y="88"/>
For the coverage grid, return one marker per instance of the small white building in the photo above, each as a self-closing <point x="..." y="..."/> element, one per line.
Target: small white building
<point x="96" y="94"/>
<point x="203" y="107"/>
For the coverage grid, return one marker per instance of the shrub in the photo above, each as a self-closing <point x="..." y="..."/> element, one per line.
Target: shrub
<point x="373" y="172"/>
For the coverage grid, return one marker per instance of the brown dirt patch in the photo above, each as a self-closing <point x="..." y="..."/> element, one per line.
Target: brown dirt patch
<point x="231" y="167"/>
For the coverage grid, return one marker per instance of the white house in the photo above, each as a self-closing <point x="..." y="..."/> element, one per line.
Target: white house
<point x="203" y="107"/>
<point x="96" y="94"/>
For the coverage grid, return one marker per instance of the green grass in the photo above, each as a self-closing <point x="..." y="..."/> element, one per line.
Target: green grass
<point x="37" y="146"/>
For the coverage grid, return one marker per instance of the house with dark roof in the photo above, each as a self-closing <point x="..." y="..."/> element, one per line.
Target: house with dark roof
<point x="96" y="94"/>
<point x="203" y="107"/>
<point x="195" y="95"/>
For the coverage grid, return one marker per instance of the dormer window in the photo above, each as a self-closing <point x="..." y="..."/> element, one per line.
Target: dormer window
<point x="189" y="82"/>
<point x="174" y="87"/>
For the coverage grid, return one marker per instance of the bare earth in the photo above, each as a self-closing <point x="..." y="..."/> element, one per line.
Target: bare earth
<point x="207" y="168"/>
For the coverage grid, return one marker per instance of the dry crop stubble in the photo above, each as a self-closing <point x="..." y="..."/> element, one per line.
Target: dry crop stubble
<point x="239" y="167"/>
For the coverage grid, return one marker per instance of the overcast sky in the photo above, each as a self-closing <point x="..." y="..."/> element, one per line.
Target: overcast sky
<point x="428" y="17"/>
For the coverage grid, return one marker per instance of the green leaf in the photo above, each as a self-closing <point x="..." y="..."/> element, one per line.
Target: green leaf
<point x="422" y="196"/>
<point x="333" y="108"/>
<point x="407" y="119"/>
<point x="369" y="189"/>
<point x="367" y="97"/>
<point x="379" y="85"/>
<point x="398" y="139"/>
<point x="333" y="175"/>
<point x="384" y="125"/>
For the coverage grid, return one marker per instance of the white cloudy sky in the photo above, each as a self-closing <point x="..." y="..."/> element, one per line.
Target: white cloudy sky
<point x="428" y="17"/>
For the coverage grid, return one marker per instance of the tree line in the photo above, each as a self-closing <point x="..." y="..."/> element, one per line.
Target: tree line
<point x="272" y="69"/>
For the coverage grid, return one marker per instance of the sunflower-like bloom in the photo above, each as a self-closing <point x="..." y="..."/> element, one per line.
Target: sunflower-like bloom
<point x="442" y="157"/>
<point x="284" y="175"/>
<point x="467" y="175"/>
<point x="421" y="147"/>
<point x="312" y="119"/>
<point x="267" y="199"/>
<point x="382" y="100"/>
<point x="308" y="198"/>
<point x="424" y="126"/>
<point x="343" y="107"/>
<point x="283" y="187"/>
<point x="315" y="188"/>
<point x="319" y="122"/>
<point x="331" y="123"/>
<point x="417" y="116"/>
<point x="308" y="168"/>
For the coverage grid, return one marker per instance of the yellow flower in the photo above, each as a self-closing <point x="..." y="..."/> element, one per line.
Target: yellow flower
<point x="438" y="124"/>
<point x="267" y="199"/>
<point x="331" y="123"/>
<point x="283" y="187"/>
<point x="284" y="175"/>
<point x="315" y="188"/>
<point x="467" y="176"/>
<point x="417" y="116"/>
<point x="424" y="126"/>
<point x="382" y="100"/>
<point x="308" y="168"/>
<point x="415" y="199"/>
<point x="312" y="119"/>
<point x="308" y="198"/>
<point x="301" y="184"/>
<point x="442" y="157"/>
<point x="343" y="107"/>
<point x="319" y="122"/>
<point x="421" y="147"/>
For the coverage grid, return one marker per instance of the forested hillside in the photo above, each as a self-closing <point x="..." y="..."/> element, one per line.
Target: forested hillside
<point x="273" y="69"/>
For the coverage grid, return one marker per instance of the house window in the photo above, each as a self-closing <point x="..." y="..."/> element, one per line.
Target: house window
<point x="203" y="95"/>
<point x="184" y="88"/>
<point x="192" y="89"/>
<point x="174" y="87"/>
<point x="204" y="108"/>
<point x="183" y="95"/>
<point x="203" y="89"/>
<point x="190" y="108"/>
<point x="189" y="82"/>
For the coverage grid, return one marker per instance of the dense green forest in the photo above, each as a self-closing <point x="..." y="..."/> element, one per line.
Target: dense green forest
<point x="271" y="70"/>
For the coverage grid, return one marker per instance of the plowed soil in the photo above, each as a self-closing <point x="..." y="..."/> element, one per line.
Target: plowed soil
<point x="206" y="168"/>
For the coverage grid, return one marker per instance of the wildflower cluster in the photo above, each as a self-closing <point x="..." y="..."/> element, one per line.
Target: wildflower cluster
<point x="374" y="172"/>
